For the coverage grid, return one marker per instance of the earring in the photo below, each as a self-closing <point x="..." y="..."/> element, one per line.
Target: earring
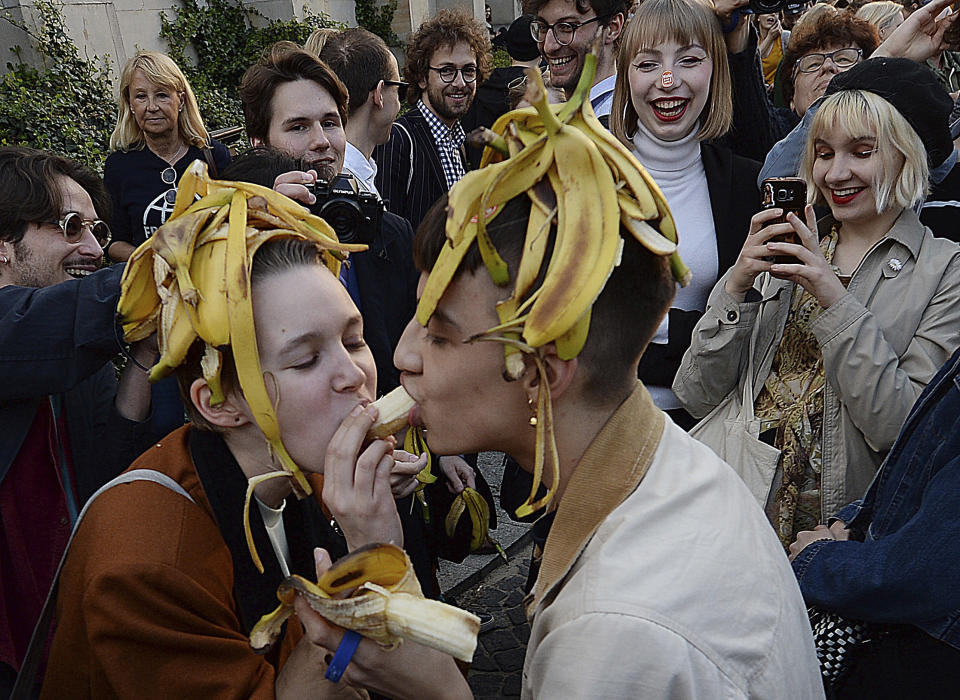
<point x="533" y="418"/>
<point x="3" y="260"/>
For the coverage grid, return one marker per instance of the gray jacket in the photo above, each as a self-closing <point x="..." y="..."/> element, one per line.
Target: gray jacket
<point x="881" y="343"/>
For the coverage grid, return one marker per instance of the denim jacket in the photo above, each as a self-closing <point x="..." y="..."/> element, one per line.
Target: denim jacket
<point x="900" y="564"/>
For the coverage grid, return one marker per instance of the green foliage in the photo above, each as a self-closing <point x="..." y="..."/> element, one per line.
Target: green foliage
<point x="65" y="105"/>
<point x="226" y="37"/>
<point x="378" y="18"/>
<point x="501" y="59"/>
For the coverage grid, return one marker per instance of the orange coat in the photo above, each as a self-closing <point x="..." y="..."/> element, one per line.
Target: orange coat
<point x="147" y="606"/>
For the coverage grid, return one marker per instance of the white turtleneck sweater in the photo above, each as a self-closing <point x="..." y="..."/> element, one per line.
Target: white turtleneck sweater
<point x="677" y="168"/>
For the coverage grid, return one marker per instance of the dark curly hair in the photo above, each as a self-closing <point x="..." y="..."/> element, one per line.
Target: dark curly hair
<point x="829" y="29"/>
<point x="448" y="28"/>
<point x="602" y="8"/>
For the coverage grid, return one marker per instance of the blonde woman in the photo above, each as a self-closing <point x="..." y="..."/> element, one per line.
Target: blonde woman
<point x="159" y="133"/>
<point x="671" y="101"/>
<point x="849" y="334"/>
<point x="884" y="15"/>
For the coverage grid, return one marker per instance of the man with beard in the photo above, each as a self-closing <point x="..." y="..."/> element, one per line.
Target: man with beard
<point x="424" y="157"/>
<point x="565" y="30"/>
<point x="66" y="426"/>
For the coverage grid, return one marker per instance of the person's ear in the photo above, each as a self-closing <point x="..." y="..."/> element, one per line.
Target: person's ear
<point x="614" y="28"/>
<point x="560" y="373"/>
<point x="377" y="95"/>
<point x="230" y="413"/>
<point x="423" y="82"/>
<point x="6" y="252"/>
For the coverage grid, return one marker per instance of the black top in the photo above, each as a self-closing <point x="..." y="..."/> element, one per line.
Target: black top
<point x="133" y="180"/>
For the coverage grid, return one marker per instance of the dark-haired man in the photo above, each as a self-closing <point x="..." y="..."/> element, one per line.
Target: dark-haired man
<point x="565" y="30"/>
<point x="446" y="57"/>
<point x="66" y="426"/>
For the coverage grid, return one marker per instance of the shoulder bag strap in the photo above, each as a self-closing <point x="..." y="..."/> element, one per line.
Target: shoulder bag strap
<point x="24" y="687"/>
<point x="211" y="163"/>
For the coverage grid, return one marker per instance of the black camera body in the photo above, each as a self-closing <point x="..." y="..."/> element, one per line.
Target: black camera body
<point x="353" y="213"/>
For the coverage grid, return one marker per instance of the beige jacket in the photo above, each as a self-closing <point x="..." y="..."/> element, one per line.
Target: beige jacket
<point x="670" y="586"/>
<point x="882" y="342"/>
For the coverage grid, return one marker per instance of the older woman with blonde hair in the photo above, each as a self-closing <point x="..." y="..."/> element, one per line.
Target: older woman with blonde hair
<point x="159" y="133"/>
<point x="842" y="339"/>
<point x="884" y="15"/>
<point x="671" y="101"/>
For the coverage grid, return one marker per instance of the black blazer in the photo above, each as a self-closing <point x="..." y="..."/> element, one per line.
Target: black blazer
<point x="387" y="279"/>
<point x="409" y="174"/>
<point x="734" y="199"/>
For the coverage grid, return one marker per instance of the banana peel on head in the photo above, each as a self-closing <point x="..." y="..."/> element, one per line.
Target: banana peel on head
<point x="191" y="281"/>
<point x="587" y="190"/>
<point x="382" y="602"/>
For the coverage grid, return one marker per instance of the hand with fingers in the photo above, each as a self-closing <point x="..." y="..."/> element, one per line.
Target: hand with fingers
<point x="459" y="474"/>
<point x="403" y="477"/>
<point x="754" y="257"/>
<point x="409" y="671"/>
<point x="297" y="185"/>
<point x="921" y="35"/>
<point x="357" y="483"/>
<point x="811" y="271"/>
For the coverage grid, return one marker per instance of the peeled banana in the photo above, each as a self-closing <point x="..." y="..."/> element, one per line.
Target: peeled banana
<point x="394" y="409"/>
<point x="586" y="190"/>
<point x="384" y="603"/>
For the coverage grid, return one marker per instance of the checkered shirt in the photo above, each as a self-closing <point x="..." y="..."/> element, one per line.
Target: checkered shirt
<point x="449" y="143"/>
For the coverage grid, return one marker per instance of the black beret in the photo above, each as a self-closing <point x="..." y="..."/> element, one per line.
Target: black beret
<point x="913" y="89"/>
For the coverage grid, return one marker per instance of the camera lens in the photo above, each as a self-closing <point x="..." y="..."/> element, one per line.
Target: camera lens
<point x="783" y="194"/>
<point x="344" y="217"/>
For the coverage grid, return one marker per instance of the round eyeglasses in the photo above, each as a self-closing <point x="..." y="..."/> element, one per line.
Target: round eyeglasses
<point x="563" y="32"/>
<point x="841" y="58"/>
<point x="169" y="177"/>
<point x="449" y="73"/>
<point x="72" y="226"/>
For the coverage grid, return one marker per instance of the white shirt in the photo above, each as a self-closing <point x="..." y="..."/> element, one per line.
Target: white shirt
<point x="677" y="167"/>
<point x="682" y="592"/>
<point x="601" y="95"/>
<point x="361" y="167"/>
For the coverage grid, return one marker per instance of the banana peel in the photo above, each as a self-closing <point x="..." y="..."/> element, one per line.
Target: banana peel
<point x="383" y="603"/>
<point x="470" y="501"/>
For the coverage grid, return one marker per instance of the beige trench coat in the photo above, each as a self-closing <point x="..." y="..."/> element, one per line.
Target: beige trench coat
<point x="881" y="343"/>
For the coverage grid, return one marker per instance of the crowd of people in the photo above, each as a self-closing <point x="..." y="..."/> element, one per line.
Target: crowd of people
<point x="754" y="494"/>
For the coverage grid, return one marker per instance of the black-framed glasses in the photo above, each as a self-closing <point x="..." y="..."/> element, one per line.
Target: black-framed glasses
<point x="449" y="73"/>
<point x="72" y="226"/>
<point x="842" y="59"/>
<point x="401" y="87"/>
<point x="563" y="32"/>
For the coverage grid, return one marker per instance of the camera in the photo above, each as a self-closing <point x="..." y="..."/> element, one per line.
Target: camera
<point x="354" y="214"/>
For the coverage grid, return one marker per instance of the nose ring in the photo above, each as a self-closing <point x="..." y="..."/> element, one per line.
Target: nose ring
<point x="666" y="80"/>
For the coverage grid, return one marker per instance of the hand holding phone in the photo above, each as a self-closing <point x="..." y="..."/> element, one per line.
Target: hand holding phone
<point x="790" y="195"/>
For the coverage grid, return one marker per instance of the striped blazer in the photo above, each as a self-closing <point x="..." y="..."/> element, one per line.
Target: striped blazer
<point x="409" y="174"/>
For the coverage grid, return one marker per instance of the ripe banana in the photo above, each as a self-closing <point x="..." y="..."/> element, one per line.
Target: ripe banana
<point x="394" y="410"/>
<point x="191" y="280"/>
<point x="587" y="190"/>
<point x="384" y="604"/>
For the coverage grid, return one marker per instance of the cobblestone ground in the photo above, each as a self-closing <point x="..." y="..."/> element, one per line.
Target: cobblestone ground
<point x="498" y="663"/>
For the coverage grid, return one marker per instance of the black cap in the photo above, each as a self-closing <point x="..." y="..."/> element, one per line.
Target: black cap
<point x="520" y="43"/>
<point x="913" y="89"/>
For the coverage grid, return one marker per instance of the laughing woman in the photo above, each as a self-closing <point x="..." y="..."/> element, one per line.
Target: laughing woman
<point x="671" y="100"/>
<point x="851" y="333"/>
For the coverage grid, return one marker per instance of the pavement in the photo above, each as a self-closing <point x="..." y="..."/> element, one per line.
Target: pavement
<point x="487" y="583"/>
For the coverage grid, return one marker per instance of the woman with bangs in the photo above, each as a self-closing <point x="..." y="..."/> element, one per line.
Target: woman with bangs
<point x="672" y="100"/>
<point x="845" y="336"/>
<point x="159" y="133"/>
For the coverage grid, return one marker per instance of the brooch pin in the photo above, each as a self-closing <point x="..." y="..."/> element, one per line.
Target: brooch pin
<point x="895" y="264"/>
<point x="666" y="80"/>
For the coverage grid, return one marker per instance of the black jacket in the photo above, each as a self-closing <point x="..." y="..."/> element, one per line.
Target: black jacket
<point x="734" y="199"/>
<point x="387" y="280"/>
<point x="409" y="174"/>
<point x="491" y="101"/>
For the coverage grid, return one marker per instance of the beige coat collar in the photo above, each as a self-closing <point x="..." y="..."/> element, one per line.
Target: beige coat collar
<point x="610" y="470"/>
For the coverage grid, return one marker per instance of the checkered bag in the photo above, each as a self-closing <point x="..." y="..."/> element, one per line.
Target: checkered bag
<point x="836" y="637"/>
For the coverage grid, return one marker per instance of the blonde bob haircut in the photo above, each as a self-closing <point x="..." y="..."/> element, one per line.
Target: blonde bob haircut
<point x="854" y="114"/>
<point x="163" y="72"/>
<point x="881" y="13"/>
<point x="686" y="22"/>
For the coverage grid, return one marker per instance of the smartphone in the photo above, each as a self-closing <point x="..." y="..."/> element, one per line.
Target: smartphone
<point x="789" y="194"/>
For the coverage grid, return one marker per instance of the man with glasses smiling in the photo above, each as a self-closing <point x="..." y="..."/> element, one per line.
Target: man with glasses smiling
<point x="446" y="58"/>
<point x="66" y="426"/>
<point x="564" y="30"/>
